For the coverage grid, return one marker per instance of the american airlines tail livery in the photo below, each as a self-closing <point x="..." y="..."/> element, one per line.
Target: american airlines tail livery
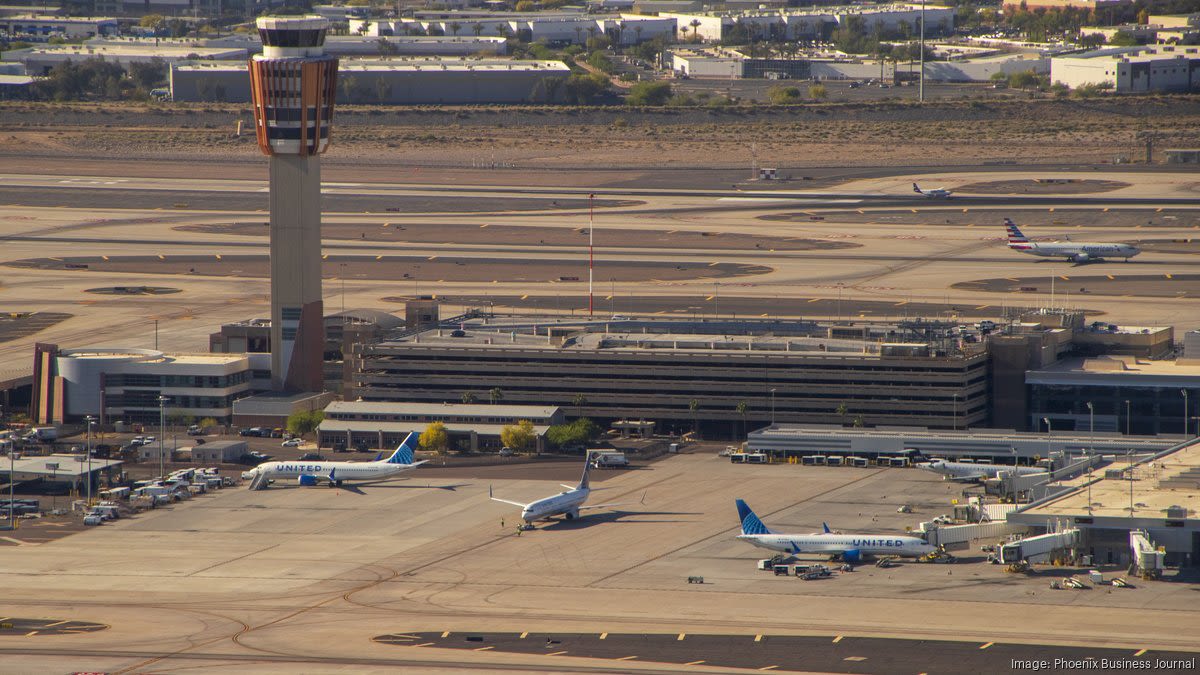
<point x="850" y="547"/>
<point x="1075" y="252"/>
<point x="334" y="473"/>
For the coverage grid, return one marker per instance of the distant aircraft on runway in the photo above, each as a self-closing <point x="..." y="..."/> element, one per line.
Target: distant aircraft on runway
<point x="936" y="193"/>
<point x="967" y="471"/>
<point x="850" y="547"/>
<point x="567" y="504"/>
<point x="312" y="473"/>
<point x="1075" y="252"/>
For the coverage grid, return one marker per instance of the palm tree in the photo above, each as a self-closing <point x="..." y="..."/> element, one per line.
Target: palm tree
<point x="841" y="411"/>
<point x="694" y="405"/>
<point x="695" y="24"/>
<point x="742" y="409"/>
<point x="468" y="397"/>
<point x="477" y="28"/>
<point x="455" y="27"/>
<point x="579" y="34"/>
<point x="637" y="32"/>
<point x="495" y="395"/>
<point x="580" y="400"/>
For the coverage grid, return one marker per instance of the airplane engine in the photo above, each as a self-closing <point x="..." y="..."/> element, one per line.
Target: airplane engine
<point x="1081" y="257"/>
<point x="307" y="480"/>
<point x="571" y="515"/>
<point x="852" y="556"/>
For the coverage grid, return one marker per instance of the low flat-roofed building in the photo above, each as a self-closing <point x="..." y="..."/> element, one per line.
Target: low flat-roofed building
<point x="415" y="45"/>
<point x="41" y="59"/>
<point x="1131" y="69"/>
<point x="394" y="81"/>
<point x="385" y="424"/>
<point x="1031" y="5"/>
<point x="1157" y="495"/>
<point x="785" y="440"/>
<point x="1154" y="390"/>
<point x="214" y="452"/>
<point x="1182" y="155"/>
<point x="272" y="409"/>
<point x="69" y="27"/>
<point x="124" y="384"/>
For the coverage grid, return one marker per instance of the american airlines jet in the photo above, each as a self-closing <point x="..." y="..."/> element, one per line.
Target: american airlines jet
<point x="966" y="471"/>
<point x="851" y="547"/>
<point x="1075" y="252"/>
<point x="312" y="473"/>
<point x="935" y="193"/>
<point x="567" y="504"/>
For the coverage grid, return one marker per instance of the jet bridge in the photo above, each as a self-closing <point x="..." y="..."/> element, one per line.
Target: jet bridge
<point x="1147" y="559"/>
<point x="1039" y="548"/>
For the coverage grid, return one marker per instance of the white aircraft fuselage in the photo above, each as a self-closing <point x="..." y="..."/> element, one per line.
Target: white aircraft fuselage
<point x="971" y="471"/>
<point x="840" y="544"/>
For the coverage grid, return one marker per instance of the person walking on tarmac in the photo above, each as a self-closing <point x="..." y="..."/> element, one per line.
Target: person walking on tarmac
<point x="519" y="528"/>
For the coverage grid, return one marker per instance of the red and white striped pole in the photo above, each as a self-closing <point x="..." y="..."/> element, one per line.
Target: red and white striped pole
<point x="591" y="251"/>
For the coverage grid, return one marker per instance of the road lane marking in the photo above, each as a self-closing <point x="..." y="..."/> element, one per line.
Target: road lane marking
<point x="483" y="649"/>
<point x="983" y="307"/>
<point x="627" y="658"/>
<point x="681" y="636"/>
<point x="425" y="644"/>
<point x="31" y="633"/>
<point x="768" y="668"/>
<point x="604" y="636"/>
<point x="1139" y="652"/>
<point x="446" y="634"/>
<point x="524" y="635"/>
<point x="985" y="646"/>
<point x="814" y="300"/>
<point x="837" y="639"/>
<point x="694" y="663"/>
<point x="557" y="653"/>
<point x="758" y="638"/>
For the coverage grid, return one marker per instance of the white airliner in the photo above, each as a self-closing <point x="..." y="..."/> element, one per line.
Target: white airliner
<point x="1075" y="252"/>
<point x="966" y="471"/>
<point x="312" y="473"/>
<point x="936" y="193"/>
<point x="851" y="547"/>
<point x="568" y="503"/>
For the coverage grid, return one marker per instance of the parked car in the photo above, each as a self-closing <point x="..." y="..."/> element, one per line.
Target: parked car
<point x="194" y="431"/>
<point x="291" y="443"/>
<point x="312" y="457"/>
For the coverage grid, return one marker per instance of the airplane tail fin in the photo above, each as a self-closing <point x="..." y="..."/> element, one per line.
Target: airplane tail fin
<point x="750" y="522"/>
<point x="1016" y="239"/>
<point x="405" y="451"/>
<point x="916" y="188"/>
<point x="825" y="526"/>
<point x="587" y="466"/>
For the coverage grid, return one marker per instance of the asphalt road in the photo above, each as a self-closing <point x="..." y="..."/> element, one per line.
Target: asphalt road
<point x="825" y="654"/>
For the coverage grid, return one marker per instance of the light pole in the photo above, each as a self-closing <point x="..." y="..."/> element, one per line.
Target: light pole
<point x="1047" y="421"/>
<point x="954" y="419"/>
<point x="12" y="470"/>
<point x="1091" y="448"/>
<point x="1185" y="412"/>
<point x="1128" y="417"/>
<point x="90" y="421"/>
<point x="162" y="425"/>
<point x="772" y="407"/>
<point x="921" y="82"/>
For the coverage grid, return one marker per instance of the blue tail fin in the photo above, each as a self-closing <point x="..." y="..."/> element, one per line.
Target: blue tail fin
<point x="405" y="453"/>
<point x="826" y="527"/>
<point x="750" y="522"/>
<point x="587" y="466"/>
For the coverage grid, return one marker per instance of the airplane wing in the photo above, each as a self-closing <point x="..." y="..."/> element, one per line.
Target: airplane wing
<point x="506" y="501"/>
<point x="972" y="477"/>
<point x="602" y="506"/>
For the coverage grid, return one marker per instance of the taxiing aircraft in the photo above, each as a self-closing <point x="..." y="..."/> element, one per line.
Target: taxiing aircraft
<point x="936" y="193"/>
<point x="850" y="547"/>
<point x="1075" y="252"/>
<point x="967" y="471"/>
<point x="334" y="473"/>
<point x="567" y="504"/>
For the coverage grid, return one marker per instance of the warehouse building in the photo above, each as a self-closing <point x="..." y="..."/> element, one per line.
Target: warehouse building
<point x="125" y="384"/>
<point x="395" y="81"/>
<point x="57" y="26"/>
<point x="41" y="59"/>
<point x="558" y="28"/>
<point x="470" y="427"/>
<point x="1131" y="69"/>
<point x="724" y="378"/>
<point x="818" y="23"/>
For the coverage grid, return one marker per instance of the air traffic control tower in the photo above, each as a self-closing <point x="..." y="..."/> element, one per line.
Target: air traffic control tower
<point x="293" y="84"/>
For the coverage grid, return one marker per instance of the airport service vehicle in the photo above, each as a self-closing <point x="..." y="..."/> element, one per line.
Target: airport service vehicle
<point x="1080" y="252"/>
<point x="42" y="434"/>
<point x="568" y="504"/>
<point x="965" y="471"/>
<point x="610" y="460"/>
<point x="309" y="473"/>
<point x="850" y="547"/>
<point x="936" y="193"/>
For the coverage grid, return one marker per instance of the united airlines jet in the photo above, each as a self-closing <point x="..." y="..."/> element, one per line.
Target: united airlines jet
<point x="312" y="473"/>
<point x="567" y="504"/>
<point x="850" y="547"/>
<point x="1075" y="252"/>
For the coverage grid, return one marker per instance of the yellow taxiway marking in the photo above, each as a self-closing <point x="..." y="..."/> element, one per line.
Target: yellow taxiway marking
<point x="1105" y="209"/>
<point x="557" y="653"/>
<point x="31" y="633"/>
<point x="983" y="307"/>
<point x="56" y="623"/>
<point x="446" y="634"/>
<point x="914" y="210"/>
<point x="106" y="257"/>
<point x="860" y="211"/>
<point x="608" y="297"/>
<point x="483" y="649"/>
<point x="425" y="644"/>
<point x="524" y="635"/>
<point x="713" y="264"/>
<point x="162" y="257"/>
<point x="1010" y="279"/>
<point x="837" y="639"/>
<point x="1051" y="209"/>
<point x="764" y="315"/>
<point x="1158" y="210"/>
<point x="710" y="297"/>
<point x="525" y="297"/>
<point x="325" y="257"/>
<point x="1110" y="277"/>
<point x="1064" y="277"/>
<point x="604" y="636"/>
<point x="694" y="663"/>
<point x="901" y="303"/>
<point x="966" y="210"/>
<point x="1167" y="276"/>
<point x="432" y="257"/>
<point x="985" y="646"/>
<point x="681" y="636"/>
<point x="758" y="638"/>
<point x="217" y="255"/>
<point x="1139" y="652"/>
<point x="768" y="668"/>
<point x="481" y="226"/>
<point x="627" y="658"/>
<point x="814" y="300"/>
<point x="855" y="658"/>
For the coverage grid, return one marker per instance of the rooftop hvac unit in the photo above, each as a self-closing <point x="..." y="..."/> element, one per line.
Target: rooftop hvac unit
<point x="1176" y="512"/>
